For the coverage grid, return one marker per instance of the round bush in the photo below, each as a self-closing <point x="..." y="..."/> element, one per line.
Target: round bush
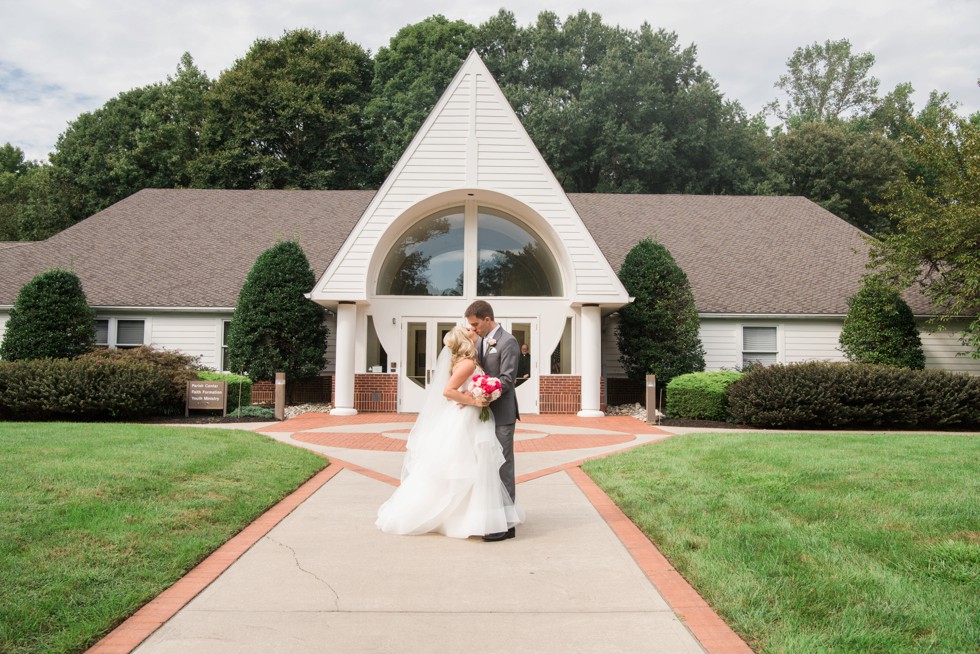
<point x="700" y="395"/>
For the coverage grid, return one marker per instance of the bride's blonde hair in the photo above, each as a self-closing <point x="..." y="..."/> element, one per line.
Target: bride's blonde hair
<point x="458" y="341"/>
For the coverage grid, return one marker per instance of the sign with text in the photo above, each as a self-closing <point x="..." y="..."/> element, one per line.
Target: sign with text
<point x="207" y="395"/>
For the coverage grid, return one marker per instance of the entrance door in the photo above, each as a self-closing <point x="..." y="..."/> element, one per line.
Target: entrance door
<point x="525" y="330"/>
<point x="421" y="344"/>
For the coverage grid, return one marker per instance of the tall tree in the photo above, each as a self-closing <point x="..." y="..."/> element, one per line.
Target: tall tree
<point x="289" y="114"/>
<point x="659" y="332"/>
<point x="14" y="174"/>
<point x="49" y="320"/>
<point x="275" y="328"/>
<point x="842" y="169"/>
<point x="937" y="215"/>
<point x="826" y="82"/>
<point x="409" y="77"/>
<point x="879" y="328"/>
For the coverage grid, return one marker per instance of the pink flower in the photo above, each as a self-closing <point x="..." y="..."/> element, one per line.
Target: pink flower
<point x="485" y="387"/>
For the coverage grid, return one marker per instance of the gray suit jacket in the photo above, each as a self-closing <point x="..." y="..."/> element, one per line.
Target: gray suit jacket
<point x="500" y="361"/>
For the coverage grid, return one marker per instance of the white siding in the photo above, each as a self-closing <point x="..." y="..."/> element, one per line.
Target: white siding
<point x="812" y="340"/>
<point x="611" y="367"/>
<point x="190" y="333"/>
<point x="722" y="349"/>
<point x="944" y="350"/>
<point x="3" y="323"/>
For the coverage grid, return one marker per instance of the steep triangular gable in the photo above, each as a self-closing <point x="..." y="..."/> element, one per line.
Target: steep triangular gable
<point x="472" y="139"/>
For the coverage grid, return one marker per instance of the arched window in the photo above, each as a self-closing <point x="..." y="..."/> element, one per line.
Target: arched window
<point x="430" y="258"/>
<point x="512" y="260"/>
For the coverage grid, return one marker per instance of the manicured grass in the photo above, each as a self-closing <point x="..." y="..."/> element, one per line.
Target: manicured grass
<point x="817" y="542"/>
<point x="97" y="519"/>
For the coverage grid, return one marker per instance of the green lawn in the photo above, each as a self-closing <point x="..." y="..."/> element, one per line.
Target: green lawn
<point x="817" y="542"/>
<point x="97" y="519"/>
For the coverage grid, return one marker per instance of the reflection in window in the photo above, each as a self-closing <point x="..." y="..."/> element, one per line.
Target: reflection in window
<point x="428" y="260"/>
<point x="512" y="260"/>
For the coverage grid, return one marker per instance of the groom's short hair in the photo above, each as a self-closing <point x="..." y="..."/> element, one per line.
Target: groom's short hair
<point x="481" y="309"/>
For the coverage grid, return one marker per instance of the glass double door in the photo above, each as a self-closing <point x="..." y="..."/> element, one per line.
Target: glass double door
<point x="421" y="343"/>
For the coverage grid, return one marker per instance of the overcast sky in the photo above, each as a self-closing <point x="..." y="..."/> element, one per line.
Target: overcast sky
<point x="60" y="58"/>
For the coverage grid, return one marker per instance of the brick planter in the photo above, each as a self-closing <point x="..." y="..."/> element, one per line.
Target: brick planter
<point x="563" y="393"/>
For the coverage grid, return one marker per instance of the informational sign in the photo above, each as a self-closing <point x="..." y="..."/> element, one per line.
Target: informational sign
<point x="207" y="395"/>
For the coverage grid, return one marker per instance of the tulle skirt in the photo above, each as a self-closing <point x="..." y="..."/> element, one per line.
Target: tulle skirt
<point x="450" y="479"/>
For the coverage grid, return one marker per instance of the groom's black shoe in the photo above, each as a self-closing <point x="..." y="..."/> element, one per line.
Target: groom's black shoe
<point x="501" y="535"/>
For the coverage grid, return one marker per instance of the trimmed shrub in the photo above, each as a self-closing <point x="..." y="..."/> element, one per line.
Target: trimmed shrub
<point x="238" y="386"/>
<point x="880" y="328"/>
<point x="50" y="319"/>
<point x="275" y="328"/>
<point x="85" y="388"/>
<point x="253" y="411"/>
<point x="659" y="332"/>
<point x="835" y="395"/>
<point x="700" y="395"/>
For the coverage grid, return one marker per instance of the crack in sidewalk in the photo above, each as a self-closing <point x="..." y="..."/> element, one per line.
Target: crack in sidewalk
<point x="336" y="596"/>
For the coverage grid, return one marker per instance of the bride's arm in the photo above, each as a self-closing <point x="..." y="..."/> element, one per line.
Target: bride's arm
<point x="461" y="372"/>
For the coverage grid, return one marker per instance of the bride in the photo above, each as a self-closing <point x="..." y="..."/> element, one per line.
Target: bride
<point x="450" y="481"/>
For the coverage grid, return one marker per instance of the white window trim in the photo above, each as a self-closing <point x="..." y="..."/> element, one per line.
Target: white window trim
<point x="114" y="328"/>
<point x="780" y="341"/>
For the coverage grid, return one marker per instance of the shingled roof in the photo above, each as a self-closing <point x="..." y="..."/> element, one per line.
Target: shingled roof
<point x="193" y="248"/>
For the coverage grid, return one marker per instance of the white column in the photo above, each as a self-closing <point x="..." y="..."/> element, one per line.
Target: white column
<point x="590" y="356"/>
<point x="343" y="399"/>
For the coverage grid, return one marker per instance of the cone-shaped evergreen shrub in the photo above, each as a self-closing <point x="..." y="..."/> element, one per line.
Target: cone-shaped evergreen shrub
<point x="659" y="332"/>
<point x="275" y="328"/>
<point x="880" y="328"/>
<point x="50" y="319"/>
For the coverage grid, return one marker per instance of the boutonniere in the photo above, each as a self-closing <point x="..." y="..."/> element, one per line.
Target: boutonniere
<point x="491" y="342"/>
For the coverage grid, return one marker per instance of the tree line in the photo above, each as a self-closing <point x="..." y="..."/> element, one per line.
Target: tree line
<point x="612" y="110"/>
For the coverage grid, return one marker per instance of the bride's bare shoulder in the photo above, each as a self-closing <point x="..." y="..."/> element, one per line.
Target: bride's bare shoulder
<point x="467" y="365"/>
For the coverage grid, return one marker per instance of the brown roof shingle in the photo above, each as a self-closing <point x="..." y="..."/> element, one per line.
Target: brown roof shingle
<point x="193" y="248"/>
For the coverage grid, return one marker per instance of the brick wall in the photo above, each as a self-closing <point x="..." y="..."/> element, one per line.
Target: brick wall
<point x="563" y="393"/>
<point x="305" y="391"/>
<point x="376" y="393"/>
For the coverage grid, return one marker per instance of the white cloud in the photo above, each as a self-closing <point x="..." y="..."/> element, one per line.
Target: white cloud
<point x="70" y="56"/>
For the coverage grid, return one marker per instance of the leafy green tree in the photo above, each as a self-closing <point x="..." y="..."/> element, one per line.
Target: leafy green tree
<point x="49" y="320"/>
<point x="826" y="82"/>
<point x="615" y="110"/>
<point x="289" y="114"/>
<point x="14" y="174"/>
<point x="879" y="328"/>
<point x="275" y="328"/>
<point x="409" y="77"/>
<point x="843" y="170"/>
<point x="659" y="332"/>
<point x="935" y="242"/>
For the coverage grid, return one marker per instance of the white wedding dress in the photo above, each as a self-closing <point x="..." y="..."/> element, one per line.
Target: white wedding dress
<point x="450" y="481"/>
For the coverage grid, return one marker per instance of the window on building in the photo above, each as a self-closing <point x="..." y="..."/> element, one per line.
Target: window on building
<point x="225" y="330"/>
<point x="759" y="346"/>
<point x="430" y="258"/>
<point x="561" y="357"/>
<point x="102" y="332"/>
<point x="377" y="358"/>
<point x="512" y="260"/>
<point x="129" y="333"/>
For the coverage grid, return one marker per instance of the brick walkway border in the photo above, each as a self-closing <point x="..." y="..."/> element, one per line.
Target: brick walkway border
<point x="710" y="630"/>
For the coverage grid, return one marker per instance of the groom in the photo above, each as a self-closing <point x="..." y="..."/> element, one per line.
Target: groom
<point x="499" y="354"/>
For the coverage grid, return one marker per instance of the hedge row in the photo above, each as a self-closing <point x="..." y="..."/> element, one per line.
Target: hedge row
<point x="700" y="395"/>
<point x="835" y="395"/>
<point x="87" y="389"/>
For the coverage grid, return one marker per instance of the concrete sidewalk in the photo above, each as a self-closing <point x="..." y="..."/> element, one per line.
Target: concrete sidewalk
<point x="319" y="577"/>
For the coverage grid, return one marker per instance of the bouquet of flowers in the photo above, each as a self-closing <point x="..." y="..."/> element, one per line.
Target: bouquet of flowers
<point x="485" y="387"/>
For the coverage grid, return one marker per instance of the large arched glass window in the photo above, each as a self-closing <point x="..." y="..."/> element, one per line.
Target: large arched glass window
<point x="512" y="260"/>
<point x="430" y="258"/>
